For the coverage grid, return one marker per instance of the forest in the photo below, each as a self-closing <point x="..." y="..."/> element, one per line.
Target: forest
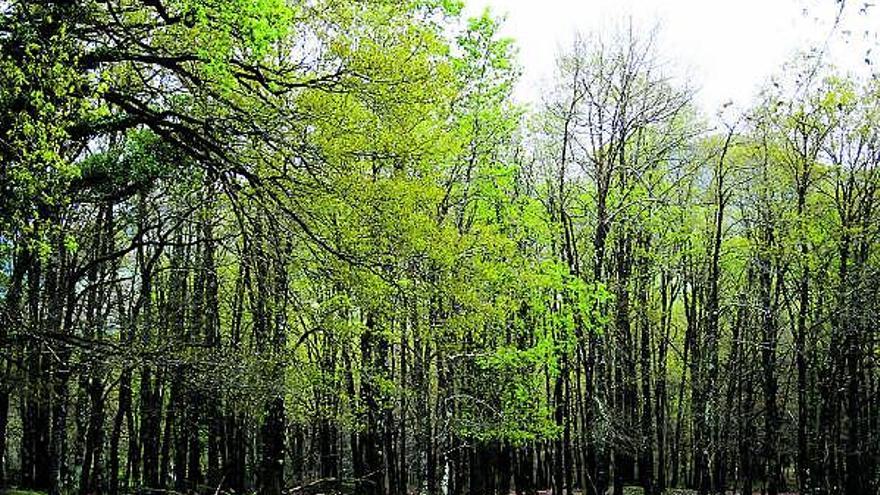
<point x="305" y="247"/>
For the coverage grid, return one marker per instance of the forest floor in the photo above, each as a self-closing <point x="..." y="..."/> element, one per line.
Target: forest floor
<point x="637" y="490"/>
<point x="628" y="490"/>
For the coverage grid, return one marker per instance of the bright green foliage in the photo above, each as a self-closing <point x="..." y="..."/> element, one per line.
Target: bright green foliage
<point x="41" y="95"/>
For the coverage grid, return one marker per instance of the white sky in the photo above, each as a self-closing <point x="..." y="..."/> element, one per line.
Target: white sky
<point x="724" y="48"/>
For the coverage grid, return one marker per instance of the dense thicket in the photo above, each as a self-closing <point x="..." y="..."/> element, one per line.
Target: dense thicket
<point x="271" y="246"/>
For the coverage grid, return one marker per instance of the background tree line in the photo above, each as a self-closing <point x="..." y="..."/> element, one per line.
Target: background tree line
<point x="314" y="246"/>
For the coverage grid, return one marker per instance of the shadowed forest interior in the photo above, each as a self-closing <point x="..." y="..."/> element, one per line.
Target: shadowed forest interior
<point x="272" y="246"/>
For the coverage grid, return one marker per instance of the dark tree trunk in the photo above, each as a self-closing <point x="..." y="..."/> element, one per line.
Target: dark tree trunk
<point x="768" y="355"/>
<point x="646" y="459"/>
<point x="10" y="320"/>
